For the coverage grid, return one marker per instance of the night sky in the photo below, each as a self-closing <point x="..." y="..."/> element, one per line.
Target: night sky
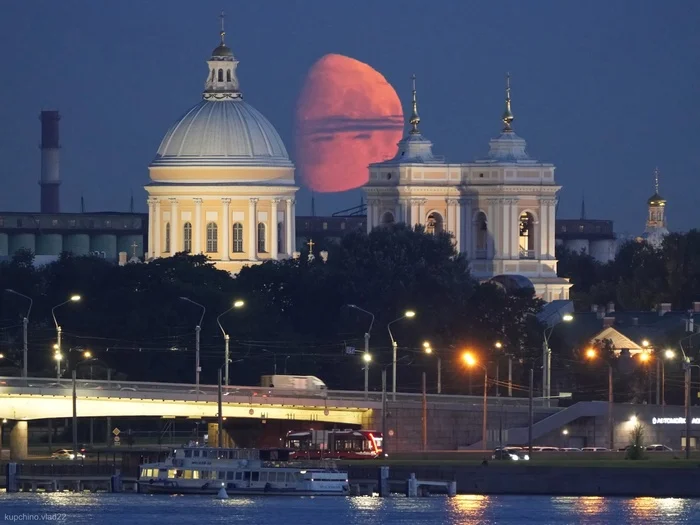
<point x="606" y="90"/>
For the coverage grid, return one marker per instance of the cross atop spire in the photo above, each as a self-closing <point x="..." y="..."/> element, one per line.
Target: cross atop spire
<point x="415" y="119"/>
<point x="222" y="33"/>
<point x="656" y="180"/>
<point x="507" y="117"/>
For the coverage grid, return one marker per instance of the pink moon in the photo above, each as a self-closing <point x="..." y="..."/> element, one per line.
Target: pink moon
<point x="347" y="117"/>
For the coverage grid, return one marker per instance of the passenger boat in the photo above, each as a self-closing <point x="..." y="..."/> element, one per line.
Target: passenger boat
<point x="206" y="470"/>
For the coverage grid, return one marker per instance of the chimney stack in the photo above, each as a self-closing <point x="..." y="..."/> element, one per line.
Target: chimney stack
<point x="600" y="312"/>
<point x="608" y="322"/>
<point x="610" y="308"/>
<point x="664" y="308"/>
<point x="50" y="180"/>
<point x="696" y="306"/>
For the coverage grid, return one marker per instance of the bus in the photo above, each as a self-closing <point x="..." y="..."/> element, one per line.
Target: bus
<point x="334" y="444"/>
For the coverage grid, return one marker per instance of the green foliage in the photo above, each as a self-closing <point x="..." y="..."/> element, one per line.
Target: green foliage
<point x="635" y="450"/>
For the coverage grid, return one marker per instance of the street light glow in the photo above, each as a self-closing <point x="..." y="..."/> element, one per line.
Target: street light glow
<point x="428" y="350"/>
<point x="565" y="432"/>
<point x="591" y="353"/>
<point x="239" y="303"/>
<point x="498" y="345"/>
<point x="469" y="359"/>
<point x="410" y="313"/>
<point x="367" y="357"/>
<point x="87" y="354"/>
<point x="75" y="298"/>
<point x="57" y="356"/>
<point x="426" y="344"/>
<point x="645" y="343"/>
<point x="2" y="356"/>
<point x="644" y="357"/>
<point x="567" y="318"/>
<point x="55" y="346"/>
<point x="669" y="354"/>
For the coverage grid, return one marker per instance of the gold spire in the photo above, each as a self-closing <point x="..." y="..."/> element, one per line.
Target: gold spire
<point x="507" y="117"/>
<point x="415" y="119"/>
<point x="222" y="33"/>
<point x="656" y="180"/>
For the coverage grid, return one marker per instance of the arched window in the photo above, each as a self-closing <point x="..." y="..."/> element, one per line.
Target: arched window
<point x="280" y="237"/>
<point x="212" y="238"/>
<point x="187" y="237"/>
<point x="221" y="75"/>
<point x="167" y="237"/>
<point x="433" y="225"/>
<point x="527" y="236"/>
<point x="481" y="235"/>
<point x="228" y="75"/>
<point x="387" y="218"/>
<point x="238" y="238"/>
<point x="261" y="237"/>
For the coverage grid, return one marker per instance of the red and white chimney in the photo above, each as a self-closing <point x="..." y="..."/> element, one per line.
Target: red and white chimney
<point x="50" y="180"/>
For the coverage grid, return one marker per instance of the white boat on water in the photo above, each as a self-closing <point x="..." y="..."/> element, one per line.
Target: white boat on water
<point x="205" y="470"/>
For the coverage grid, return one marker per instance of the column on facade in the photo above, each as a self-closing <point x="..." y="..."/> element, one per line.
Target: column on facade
<point x="406" y="211"/>
<point x="151" y="224"/>
<point x="542" y="237"/>
<point x="458" y="225"/>
<point x="515" y="228"/>
<point x="551" y="227"/>
<point x="226" y="230"/>
<point x="288" y="223"/>
<point x="492" y="248"/>
<point x="466" y="226"/>
<point x="370" y="216"/>
<point x="507" y="230"/>
<point x="174" y="227"/>
<point x="197" y="225"/>
<point x="421" y="211"/>
<point x="273" y="228"/>
<point x="293" y="219"/>
<point x="414" y="212"/>
<point x="252" y="229"/>
<point x="450" y="216"/>
<point x="398" y="211"/>
<point x="158" y="244"/>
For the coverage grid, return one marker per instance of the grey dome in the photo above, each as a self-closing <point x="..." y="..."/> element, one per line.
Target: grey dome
<point x="227" y="132"/>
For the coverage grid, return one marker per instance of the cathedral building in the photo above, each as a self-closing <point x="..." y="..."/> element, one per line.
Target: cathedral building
<point x="656" y="230"/>
<point x="222" y="182"/>
<point x="501" y="209"/>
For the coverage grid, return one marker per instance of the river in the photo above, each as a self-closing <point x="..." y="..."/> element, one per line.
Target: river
<point x="141" y="509"/>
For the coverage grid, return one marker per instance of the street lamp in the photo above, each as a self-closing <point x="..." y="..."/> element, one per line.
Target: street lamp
<point x="25" y="328"/>
<point x="592" y="354"/>
<point x="197" y="330"/>
<point x="58" y="356"/>
<point x="429" y="350"/>
<point x="661" y="388"/>
<point x="471" y="362"/>
<point x="547" y="358"/>
<point x="408" y="314"/>
<point x="236" y="304"/>
<point x="59" y="331"/>
<point x="367" y="357"/>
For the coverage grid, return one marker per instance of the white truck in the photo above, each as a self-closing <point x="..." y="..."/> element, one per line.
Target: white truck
<point x="285" y="382"/>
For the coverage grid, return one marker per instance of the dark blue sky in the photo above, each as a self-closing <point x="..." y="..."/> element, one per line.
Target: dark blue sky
<point x="606" y="90"/>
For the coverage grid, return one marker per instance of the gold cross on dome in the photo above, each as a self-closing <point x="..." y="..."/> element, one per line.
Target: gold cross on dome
<point x="133" y="247"/>
<point x="310" y="244"/>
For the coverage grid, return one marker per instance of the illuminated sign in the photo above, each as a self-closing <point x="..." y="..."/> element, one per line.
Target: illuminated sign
<point x="673" y="421"/>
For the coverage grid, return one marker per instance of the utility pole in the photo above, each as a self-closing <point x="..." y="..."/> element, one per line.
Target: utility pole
<point x="366" y="360"/>
<point x="25" y="329"/>
<point x="510" y="376"/>
<point x="611" y="428"/>
<point x="425" y="416"/>
<point x="384" y="408"/>
<point x="688" y="421"/>
<point x="109" y="418"/>
<point x="529" y="409"/>
<point x="75" y="416"/>
<point x="226" y="357"/>
<point x="220" y="433"/>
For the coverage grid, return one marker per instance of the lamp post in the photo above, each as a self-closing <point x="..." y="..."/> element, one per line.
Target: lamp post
<point x="591" y="353"/>
<point x="471" y="361"/>
<point x="429" y="350"/>
<point x="236" y="304"/>
<point x="57" y="356"/>
<point x="366" y="357"/>
<point x="668" y="354"/>
<point x="198" y="329"/>
<point x="409" y="314"/>
<point x="547" y="358"/>
<point x="25" y="329"/>
<point x="59" y="331"/>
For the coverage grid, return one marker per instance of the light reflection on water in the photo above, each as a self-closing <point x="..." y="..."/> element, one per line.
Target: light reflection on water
<point x="140" y="509"/>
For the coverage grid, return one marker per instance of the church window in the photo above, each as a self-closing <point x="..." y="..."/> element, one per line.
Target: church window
<point x="481" y="236"/>
<point x="167" y="238"/>
<point x="212" y="238"/>
<point x="388" y="218"/>
<point x="261" y="237"/>
<point x="280" y="237"/>
<point x="228" y="75"/>
<point x="221" y="75"/>
<point x="187" y="237"/>
<point x="433" y="225"/>
<point x="527" y="236"/>
<point x="238" y="238"/>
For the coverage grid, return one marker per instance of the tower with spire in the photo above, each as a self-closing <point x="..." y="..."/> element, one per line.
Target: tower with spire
<point x="222" y="82"/>
<point x="656" y="230"/>
<point x="499" y="210"/>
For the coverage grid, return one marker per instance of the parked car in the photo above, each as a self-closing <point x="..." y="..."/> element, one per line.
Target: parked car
<point x="65" y="453"/>
<point x="660" y="448"/>
<point x="569" y="449"/>
<point x="545" y="449"/>
<point x="509" y="454"/>
<point x="595" y="449"/>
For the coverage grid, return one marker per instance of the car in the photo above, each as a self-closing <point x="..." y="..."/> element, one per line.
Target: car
<point x="90" y="386"/>
<point x="126" y="388"/>
<point x="509" y="454"/>
<point x="569" y="449"/>
<point x="545" y="449"/>
<point x="65" y="453"/>
<point x="659" y="448"/>
<point x="595" y="449"/>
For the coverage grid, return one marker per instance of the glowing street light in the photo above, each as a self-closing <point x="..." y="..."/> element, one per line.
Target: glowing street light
<point x="367" y="357"/>
<point x="87" y="354"/>
<point x="238" y="303"/>
<point x="197" y="330"/>
<point x="471" y="361"/>
<point x="592" y="353"/>
<point x="59" y="331"/>
<point x="429" y="350"/>
<point x="407" y="314"/>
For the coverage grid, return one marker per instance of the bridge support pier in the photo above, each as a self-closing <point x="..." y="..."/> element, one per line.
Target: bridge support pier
<point x="18" y="441"/>
<point x="213" y="431"/>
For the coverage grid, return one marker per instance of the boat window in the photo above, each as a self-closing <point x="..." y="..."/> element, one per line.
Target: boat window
<point x="246" y="475"/>
<point x="188" y="453"/>
<point x="256" y="476"/>
<point x="188" y="474"/>
<point x="222" y="474"/>
<point x="277" y="476"/>
<point x="229" y="476"/>
<point x="179" y="473"/>
<point x="195" y="474"/>
<point x="263" y="476"/>
<point x="172" y="473"/>
<point x="143" y="472"/>
<point x="196" y="454"/>
<point x="239" y="476"/>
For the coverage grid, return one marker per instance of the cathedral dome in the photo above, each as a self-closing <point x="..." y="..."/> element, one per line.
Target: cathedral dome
<point x="222" y="51"/>
<point x="228" y="132"/>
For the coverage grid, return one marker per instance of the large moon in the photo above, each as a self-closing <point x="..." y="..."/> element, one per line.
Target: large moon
<point x="347" y="117"/>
